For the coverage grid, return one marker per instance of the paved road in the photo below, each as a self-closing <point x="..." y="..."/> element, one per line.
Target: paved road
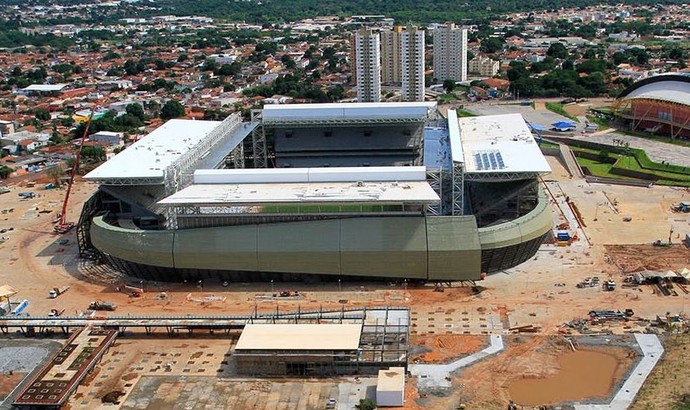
<point x="541" y="117"/>
<point x="656" y="151"/>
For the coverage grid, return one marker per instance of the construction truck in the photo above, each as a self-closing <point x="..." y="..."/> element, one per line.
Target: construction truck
<point x="609" y="285"/>
<point x="55" y="292"/>
<point x="101" y="305"/>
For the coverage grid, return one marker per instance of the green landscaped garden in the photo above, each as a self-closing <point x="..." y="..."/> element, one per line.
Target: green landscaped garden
<point x="558" y="109"/>
<point x="637" y="162"/>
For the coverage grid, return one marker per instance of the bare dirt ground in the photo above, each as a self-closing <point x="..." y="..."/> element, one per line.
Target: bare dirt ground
<point x="8" y="382"/>
<point x="485" y="385"/>
<point x="540" y="292"/>
<point x="445" y="348"/>
<point x="632" y="258"/>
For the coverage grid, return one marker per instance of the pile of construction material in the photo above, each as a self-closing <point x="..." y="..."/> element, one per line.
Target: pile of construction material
<point x="598" y="316"/>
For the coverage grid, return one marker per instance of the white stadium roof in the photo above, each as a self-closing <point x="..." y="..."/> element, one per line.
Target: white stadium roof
<point x="287" y="175"/>
<point x="150" y="156"/>
<point x="671" y="91"/>
<point x="346" y="112"/>
<point x="499" y="144"/>
<point x="417" y="192"/>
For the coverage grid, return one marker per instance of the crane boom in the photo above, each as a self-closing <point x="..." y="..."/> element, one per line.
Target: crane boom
<point x="63" y="226"/>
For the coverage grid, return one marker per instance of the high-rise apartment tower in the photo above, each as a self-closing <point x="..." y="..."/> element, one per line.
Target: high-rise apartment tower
<point x="450" y="53"/>
<point x="368" y="66"/>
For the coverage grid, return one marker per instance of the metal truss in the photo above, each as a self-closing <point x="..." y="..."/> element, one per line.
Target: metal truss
<point x="501" y="176"/>
<point x="237" y="156"/>
<point x="129" y="181"/>
<point x="259" y="142"/>
<point x="458" y="186"/>
<point x="435" y="177"/>
<point x="185" y="163"/>
<point x="341" y="121"/>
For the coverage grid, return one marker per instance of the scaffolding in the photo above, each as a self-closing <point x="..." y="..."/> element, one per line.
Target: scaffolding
<point x="458" y="188"/>
<point x="259" y="148"/>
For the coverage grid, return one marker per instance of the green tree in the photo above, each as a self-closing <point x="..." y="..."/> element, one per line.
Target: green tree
<point x="5" y="171"/>
<point x="172" y="109"/>
<point x="136" y="110"/>
<point x="448" y="85"/>
<point x="94" y="153"/>
<point x="42" y="114"/>
<point x="491" y="45"/>
<point x="366" y="404"/>
<point x="557" y="50"/>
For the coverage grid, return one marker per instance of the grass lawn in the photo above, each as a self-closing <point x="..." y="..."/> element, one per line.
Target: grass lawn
<point x="446" y="98"/>
<point x="598" y="169"/>
<point x="548" y="144"/>
<point x="602" y="169"/>
<point x="464" y="113"/>
<point x="558" y="109"/>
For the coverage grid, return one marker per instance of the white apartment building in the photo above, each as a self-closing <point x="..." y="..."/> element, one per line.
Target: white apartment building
<point x="368" y="66"/>
<point x="412" y="64"/>
<point x="450" y="53"/>
<point x="484" y="66"/>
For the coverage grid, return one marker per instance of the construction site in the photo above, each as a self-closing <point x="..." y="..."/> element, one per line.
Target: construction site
<point x="542" y="333"/>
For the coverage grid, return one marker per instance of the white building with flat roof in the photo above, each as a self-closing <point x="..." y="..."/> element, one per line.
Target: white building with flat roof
<point x="390" y="387"/>
<point x="368" y="66"/>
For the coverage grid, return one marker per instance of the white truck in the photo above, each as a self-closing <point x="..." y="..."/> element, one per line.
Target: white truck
<point x="55" y="292"/>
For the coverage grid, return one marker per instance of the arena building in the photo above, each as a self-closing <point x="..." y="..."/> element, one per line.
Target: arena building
<point x="659" y="105"/>
<point x="314" y="191"/>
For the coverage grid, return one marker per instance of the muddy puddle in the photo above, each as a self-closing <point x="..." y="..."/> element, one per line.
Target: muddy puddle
<point x="583" y="375"/>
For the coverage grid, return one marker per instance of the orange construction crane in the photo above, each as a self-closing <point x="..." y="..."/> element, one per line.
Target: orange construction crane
<point x="63" y="226"/>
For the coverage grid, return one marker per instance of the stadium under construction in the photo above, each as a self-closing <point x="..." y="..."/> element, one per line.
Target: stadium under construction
<point x="386" y="191"/>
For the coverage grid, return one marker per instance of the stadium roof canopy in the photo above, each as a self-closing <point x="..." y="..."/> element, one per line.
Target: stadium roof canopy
<point x="354" y="113"/>
<point x="287" y="175"/>
<point x="670" y="87"/>
<point x="380" y="193"/>
<point x="146" y="160"/>
<point x="499" y="144"/>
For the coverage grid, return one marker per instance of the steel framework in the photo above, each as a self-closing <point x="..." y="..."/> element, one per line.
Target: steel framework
<point x="308" y="123"/>
<point x="501" y="176"/>
<point x="435" y="179"/>
<point x="458" y="188"/>
<point x="623" y="109"/>
<point x="259" y="148"/>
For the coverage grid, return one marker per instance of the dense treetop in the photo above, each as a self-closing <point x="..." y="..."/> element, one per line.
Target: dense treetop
<point x="266" y="11"/>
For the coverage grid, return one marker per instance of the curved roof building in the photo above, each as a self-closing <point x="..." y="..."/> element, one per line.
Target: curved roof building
<point x="659" y="104"/>
<point x="330" y="190"/>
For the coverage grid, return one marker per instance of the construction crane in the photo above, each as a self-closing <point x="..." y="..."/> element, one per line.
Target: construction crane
<point x="63" y="226"/>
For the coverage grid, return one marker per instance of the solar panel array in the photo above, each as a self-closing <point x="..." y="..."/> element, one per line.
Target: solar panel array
<point x="489" y="161"/>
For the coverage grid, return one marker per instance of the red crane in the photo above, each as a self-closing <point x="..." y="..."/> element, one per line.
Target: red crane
<point x="63" y="226"/>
